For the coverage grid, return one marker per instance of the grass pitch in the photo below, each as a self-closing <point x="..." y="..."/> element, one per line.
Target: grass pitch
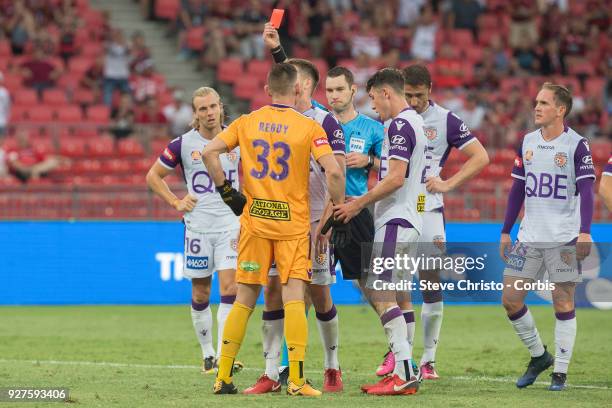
<point x="147" y="356"/>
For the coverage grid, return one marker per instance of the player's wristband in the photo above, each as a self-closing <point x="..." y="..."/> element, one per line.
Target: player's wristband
<point x="370" y="163"/>
<point x="278" y="54"/>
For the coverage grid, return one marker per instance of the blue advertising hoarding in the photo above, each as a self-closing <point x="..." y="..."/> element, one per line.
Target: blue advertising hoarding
<point x="90" y="262"/>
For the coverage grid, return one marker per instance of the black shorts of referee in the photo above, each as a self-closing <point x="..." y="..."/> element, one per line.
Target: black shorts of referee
<point x="353" y="255"/>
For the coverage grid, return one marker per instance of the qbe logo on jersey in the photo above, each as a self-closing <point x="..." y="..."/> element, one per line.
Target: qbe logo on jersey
<point x="197" y="262"/>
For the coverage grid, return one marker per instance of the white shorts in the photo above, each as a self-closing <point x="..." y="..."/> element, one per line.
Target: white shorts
<point x="391" y="240"/>
<point x="433" y="237"/>
<point x="323" y="270"/>
<point x="533" y="263"/>
<point x="208" y="252"/>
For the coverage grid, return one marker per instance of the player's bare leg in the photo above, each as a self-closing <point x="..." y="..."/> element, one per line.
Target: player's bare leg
<point x="233" y="335"/>
<point x="327" y="322"/>
<point x="201" y="317"/>
<point x="227" y="290"/>
<point x="273" y="320"/>
<point x="565" y="332"/>
<point x="431" y="319"/>
<point x="524" y="325"/>
<point x="296" y="334"/>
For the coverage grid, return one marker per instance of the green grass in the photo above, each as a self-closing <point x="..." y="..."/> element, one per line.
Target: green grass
<point x="479" y="357"/>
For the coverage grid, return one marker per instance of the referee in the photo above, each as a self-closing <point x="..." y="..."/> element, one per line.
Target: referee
<point x="364" y="137"/>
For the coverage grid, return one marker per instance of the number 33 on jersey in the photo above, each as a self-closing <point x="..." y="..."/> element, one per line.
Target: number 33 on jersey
<point x="276" y="143"/>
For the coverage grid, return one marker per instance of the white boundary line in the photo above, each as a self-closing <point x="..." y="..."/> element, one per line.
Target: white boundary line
<point x="506" y="380"/>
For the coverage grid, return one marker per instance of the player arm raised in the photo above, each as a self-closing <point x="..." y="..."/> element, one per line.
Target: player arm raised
<point x="155" y="181"/>
<point x="272" y="42"/>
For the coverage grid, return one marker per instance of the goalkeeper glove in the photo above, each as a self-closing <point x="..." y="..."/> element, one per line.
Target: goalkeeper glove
<point x="341" y="235"/>
<point x="232" y="197"/>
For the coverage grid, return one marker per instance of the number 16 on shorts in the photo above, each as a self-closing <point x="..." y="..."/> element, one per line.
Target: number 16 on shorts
<point x="196" y="261"/>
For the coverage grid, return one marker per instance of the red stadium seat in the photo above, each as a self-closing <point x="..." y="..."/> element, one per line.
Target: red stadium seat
<point x="72" y="148"/>
<point x="19" y="113"/>
<point x="26" y="96"/>
<point x="229" y="70"/>
<point x="69" y="114"/>
<point x="79" y="65"/>
<point x="13" y="83"/>
<point x="259" y="101"/>
<point x="101" y="147"/>
<point x="167" y="9"/>
<point x="92" y="50"/>
<point x="195" y="38"/>
<point x="117" y="166"/>
<point x="99" y="114"/>
<point x="157" y="147"/>
<point x="41" y="114"/>
<point x="5" y="49"/>
<point x="83" y="96"/>
<point x="130" y="147"/>
<point x="461" y="37"/>
<point x="247" y="88"/>
<point x="55" y="97"/>
<point x="258" y="69"/>
<point x="488" y="21"/>
<point x="594" y="87"/>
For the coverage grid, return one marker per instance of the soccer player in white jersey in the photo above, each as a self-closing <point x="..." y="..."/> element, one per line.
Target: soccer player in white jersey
<point x="323" y="275"/>
<point x="211" y="229"/>
<point x="444" y="130"/>
<point x="399" y="199"/>
<point x="554" y="176"/>
<point x="605" y="185"/>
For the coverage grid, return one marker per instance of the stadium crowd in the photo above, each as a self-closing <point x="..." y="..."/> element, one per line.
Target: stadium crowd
<point x="473" y="48"/>
<point x="105" y="101"/>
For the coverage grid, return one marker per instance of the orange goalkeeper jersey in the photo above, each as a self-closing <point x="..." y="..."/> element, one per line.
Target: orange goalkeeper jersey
<point x="275" y="143"/>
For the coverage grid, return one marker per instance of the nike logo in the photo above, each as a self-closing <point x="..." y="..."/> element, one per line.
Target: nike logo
<point x="226" y="342"/>
<point x="407" y="384"/>
<point x="333" y="347"/>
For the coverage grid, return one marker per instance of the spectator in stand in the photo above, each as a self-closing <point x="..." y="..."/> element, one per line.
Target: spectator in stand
<point x="123" y="117"/>
<point x="28" y="163"/>
<point x="408" y="12"/>
<point x="5" y="106"/>
<point x="526" y="58"/>
<point x="336" y="40"/>
<point x="178" y="114"/>
<point x="319" y="15"/>
<point x="472" y="113"/>
<point x="464" y="15"/>
<point x="217" y="44"/>
<point x="363" y="70"/>
<point x="551" y="60"/>
<point x="39" y="73"/>
<point x="589" y="119"/>
<point x="150" y="114"/>
<point x="248" y="30"/>
<point x="448" y="67"/>
<point x="139" y="52"/>
<point x="149" y="118"/>
<point x="289" y="29"/>
<point x="395" y="41"/>
<point x="94" y="78"/>
<point x="193" y="14"/>
<point x="145" y="85"/>
<point x="366" y="41"/>
<point x="21" y="26"/>
<point x="523" y="28"/>
<point x="67" y="41"/>
<point x="424" y="38"/>
<point x="486" y="73"/>
<point x="500" y="56"/>
<point x="341" y="6"/>
<point x="116" y="66"/>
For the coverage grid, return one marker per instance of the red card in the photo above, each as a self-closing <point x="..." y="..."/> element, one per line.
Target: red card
<point x="277" y="18"/>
